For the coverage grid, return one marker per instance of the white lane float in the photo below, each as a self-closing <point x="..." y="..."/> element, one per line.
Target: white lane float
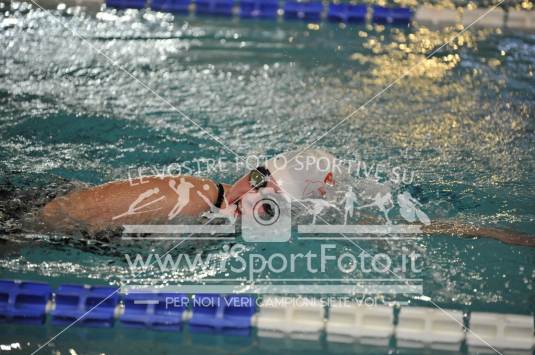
<point x="280" y="316"/>
<point x="437" y="17"/>
<point x="501" y="331"/>
<point x="365" y="324"/>
<point x="420" y="327"/>
<point x="521" y="20"/>
<point x="494" y="18"/>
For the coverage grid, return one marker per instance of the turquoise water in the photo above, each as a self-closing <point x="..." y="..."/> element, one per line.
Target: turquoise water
<point x="463" y="122"/>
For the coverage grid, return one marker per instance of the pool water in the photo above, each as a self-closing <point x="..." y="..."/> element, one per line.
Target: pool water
<point x="462" y="121"/>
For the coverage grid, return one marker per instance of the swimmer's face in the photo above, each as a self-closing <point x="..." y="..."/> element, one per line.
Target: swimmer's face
<point x="242" y="190"/>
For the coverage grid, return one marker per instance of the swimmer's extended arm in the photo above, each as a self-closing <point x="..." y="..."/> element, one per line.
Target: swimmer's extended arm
<point x="469" y="231"/>
<point x="466" y="230"/>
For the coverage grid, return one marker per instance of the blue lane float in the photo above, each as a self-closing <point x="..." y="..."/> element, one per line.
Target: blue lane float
<point x="175" y="6"/>
<point x="303" y="10"/>
<point x="228" y="315"/>
<point x="347" y="13"/>
<point x="392" y="15"/>
<point x="95" y="305"/>
<point x="214" y="7"/>
<point x="259" y="8"/>
<point x="162" y="311"/>
<point x="24" y="301"/>
<point x="126" y="4"/>
<point x="269" y="9"/>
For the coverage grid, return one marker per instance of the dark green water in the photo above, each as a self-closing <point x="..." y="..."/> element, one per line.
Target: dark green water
<point x="463" y="122"/>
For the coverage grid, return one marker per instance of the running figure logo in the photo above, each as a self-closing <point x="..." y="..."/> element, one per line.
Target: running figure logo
<point x="350" y="200"/>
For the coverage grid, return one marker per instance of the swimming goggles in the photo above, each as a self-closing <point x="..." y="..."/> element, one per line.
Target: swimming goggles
<point x="258" y="178"/>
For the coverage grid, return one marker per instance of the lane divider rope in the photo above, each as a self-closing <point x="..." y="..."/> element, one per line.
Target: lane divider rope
<point x="412" y="327"/>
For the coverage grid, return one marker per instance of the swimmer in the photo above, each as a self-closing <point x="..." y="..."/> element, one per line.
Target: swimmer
<point x="159" y="200"/>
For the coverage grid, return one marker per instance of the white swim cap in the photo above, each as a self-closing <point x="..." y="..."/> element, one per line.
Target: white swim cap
<point x="302" y="174"/>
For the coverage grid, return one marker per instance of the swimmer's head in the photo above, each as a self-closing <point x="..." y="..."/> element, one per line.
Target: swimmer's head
<point x="302" y="175"/>
<point x="297" y="175"/>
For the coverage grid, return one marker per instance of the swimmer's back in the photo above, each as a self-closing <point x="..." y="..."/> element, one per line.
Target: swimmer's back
<point x="152" y="200"/>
